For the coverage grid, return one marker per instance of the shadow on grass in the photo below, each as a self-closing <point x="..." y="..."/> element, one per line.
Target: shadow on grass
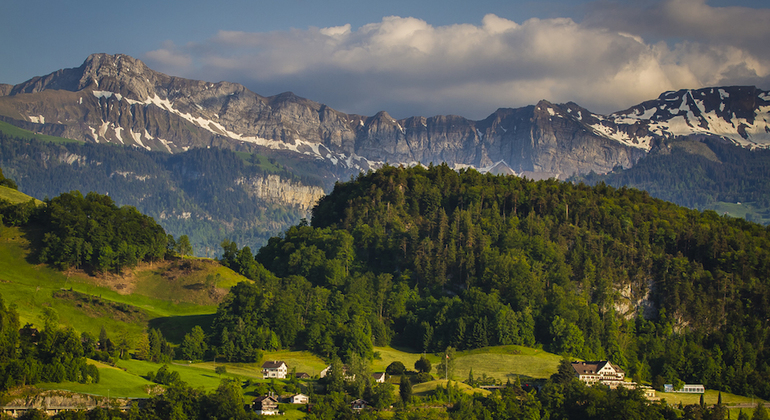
<point x="404" y="347"/>
<point x="34" y="235"/>
<point x="174" y="328"/>
<point x="513" y="376"/>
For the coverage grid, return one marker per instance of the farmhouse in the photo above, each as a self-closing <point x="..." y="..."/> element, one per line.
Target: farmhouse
<point x="265" y="405"/>
<point x="379" y="377"/>
<point x="274" y="369"/>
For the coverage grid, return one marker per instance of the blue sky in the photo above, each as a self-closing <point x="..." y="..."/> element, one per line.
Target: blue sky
<point x="409" y="57"/>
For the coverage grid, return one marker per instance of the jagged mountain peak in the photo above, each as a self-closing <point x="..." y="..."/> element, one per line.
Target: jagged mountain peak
<point x="117" y="72"/>
<point x="118" y="99"/>
<point x="740" y="114"/>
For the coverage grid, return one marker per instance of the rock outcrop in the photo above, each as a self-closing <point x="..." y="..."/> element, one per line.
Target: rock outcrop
<point x="272" y="188"/>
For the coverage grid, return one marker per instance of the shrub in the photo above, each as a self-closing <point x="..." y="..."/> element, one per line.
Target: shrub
<point x="395" y="369"/>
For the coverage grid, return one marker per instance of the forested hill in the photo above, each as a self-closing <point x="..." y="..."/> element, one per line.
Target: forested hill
<point x="430" y="257"/>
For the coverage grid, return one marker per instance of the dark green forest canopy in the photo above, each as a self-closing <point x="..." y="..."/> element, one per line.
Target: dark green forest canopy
<point x="92" y="232"/>
<point x="435" y="258"/>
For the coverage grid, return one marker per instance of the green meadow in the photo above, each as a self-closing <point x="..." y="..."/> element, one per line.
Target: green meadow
<point x="164" y="296"/>
<point x="14" y="131"/>
<point x="15" y="196"/>
<point x="499" y="362"/>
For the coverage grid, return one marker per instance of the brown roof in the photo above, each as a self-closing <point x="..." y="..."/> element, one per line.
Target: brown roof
<point x="272" y="364"/>
<point x="585" y="368"/>
<point x="264" y="397"/>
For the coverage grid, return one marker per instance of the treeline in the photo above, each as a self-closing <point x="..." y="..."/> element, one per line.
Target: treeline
<point x="698" y="174"/>
<point x="193" y="193"/>
<point x="431" y="258"/>
<point x="29" y="356"/>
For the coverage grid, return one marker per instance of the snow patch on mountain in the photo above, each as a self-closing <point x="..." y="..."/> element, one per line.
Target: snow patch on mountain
<point x="611" y="128"/>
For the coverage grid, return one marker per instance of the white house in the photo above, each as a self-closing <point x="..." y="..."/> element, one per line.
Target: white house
<point x="299" y="399"/>
<point x="379" y="377"/>
<point x="274" y="369"/>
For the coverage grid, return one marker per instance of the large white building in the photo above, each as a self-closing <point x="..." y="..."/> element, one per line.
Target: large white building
<point x="601" y="372"/>
<point x="274" y="369"/>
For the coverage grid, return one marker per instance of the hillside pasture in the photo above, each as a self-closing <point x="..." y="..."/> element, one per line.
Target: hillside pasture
<point x="15" y="196"/>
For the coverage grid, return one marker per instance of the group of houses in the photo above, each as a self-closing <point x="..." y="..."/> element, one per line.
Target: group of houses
<point x="608" y="374"/>
<point x="280" y="370"/>
<point x="267" y="405"/>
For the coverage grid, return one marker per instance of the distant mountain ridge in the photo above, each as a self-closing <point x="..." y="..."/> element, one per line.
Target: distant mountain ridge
<point x="118" y="99"/>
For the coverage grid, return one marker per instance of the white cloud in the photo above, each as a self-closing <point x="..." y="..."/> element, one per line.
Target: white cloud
<point x="170" y="57"/>
<point x="409" y="67"/>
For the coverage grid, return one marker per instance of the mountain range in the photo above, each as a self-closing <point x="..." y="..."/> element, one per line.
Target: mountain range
<point x="290" y="150"/>
<point x="117" y="99"/>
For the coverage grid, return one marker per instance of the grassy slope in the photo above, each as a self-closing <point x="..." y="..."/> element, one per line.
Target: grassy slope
<point x="31" y="286"/>
<point x="114" y="382"/>
<point x="507" y="362"/>
<point x="15" y="196"/>
<point x="14" y="131"/>
<point x="426" y="388"/>
<point x="747" y="211"/>
<point x="499" y="362"/>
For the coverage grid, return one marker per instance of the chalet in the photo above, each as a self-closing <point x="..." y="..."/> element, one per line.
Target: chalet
<point x="379" y="377"/>
<point x="686" y="388"/>
<point x="265" y="405"/>
<point x="358" y="405"/>
<point x="299" y="399"/>
<point x="301" y="375"/>
<point x="601" y="372"/>
<point x="274" y="369"/>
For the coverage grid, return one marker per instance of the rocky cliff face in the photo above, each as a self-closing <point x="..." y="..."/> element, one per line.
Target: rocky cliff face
<point x="117" y="99"/>
<point x="273" y="188"/>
